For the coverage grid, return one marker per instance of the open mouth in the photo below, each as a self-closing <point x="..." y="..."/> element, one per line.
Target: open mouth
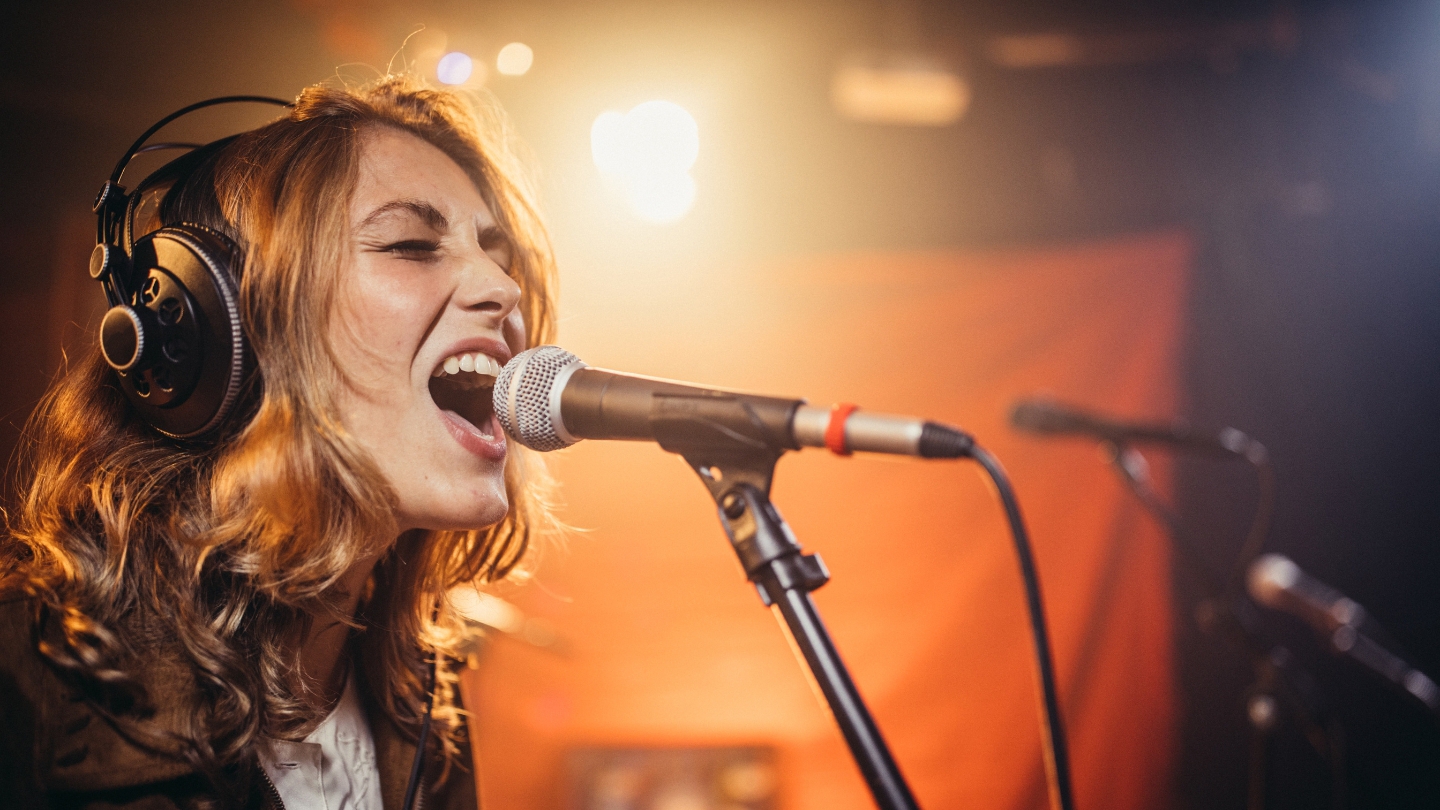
<point x="463" y="385"/>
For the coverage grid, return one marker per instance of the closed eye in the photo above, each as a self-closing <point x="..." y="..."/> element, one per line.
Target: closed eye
<point x="413" y="249"/>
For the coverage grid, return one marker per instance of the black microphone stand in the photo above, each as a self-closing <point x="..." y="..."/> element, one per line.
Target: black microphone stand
<point x="784" y="576"/>
<point x="1279" y="680"/>
<point x="737" y="469"/>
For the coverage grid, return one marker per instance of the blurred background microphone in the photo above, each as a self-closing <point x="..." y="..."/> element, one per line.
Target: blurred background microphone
<point x="1047" y="417"/>
<point x="1276" y="582"/>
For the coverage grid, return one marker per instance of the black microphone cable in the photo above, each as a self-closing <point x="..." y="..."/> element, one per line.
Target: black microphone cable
<point x="1057" y="751"/>
<point x="1254" y="542"/>
<point x="412" y="787"/>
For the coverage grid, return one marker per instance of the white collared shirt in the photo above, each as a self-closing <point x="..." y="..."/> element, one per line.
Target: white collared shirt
<point x="333" y="768"/>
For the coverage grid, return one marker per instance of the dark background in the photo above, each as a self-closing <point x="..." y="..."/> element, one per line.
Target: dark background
<point x="1298" y="143"/>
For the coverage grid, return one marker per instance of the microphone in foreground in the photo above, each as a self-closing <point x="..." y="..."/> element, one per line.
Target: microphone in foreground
<point x="1047" y="417"/>
<point x="547" y="398"/>
<point x="1275" y="581"/>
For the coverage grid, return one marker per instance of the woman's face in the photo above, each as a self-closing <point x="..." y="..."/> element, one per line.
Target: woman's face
<point x="426" y="315"/>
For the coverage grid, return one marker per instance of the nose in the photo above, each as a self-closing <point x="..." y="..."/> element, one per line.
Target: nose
<point x="486" y="287"/>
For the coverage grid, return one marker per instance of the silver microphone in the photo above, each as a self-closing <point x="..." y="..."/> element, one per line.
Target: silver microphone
<point x="547" y="398"/>
<point x="1277" y="582"/>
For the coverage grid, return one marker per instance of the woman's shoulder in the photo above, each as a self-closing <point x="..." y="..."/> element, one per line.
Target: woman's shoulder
<point x="22" y="702"/>
<point x="21" y="670"/>
<point x="52" y="739"/>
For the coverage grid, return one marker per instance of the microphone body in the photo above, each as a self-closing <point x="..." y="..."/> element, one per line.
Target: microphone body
<point x="1047" y="417"/>
<point x="1277" y="582"/>
<point x="547" y="398"/>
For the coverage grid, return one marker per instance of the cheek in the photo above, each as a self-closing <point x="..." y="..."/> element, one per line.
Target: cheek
<point x="514" y="330"/>
<point x="379" y="321"/>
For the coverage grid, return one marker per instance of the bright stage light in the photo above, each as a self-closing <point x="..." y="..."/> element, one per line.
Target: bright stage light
<point x="454" y="68"/>
<point x="515" y="59"/>
<point x="662" y="198"/>
<point x="654" y="137"/>
<point x="649" y="150"/>
<point x="608" y="143"/>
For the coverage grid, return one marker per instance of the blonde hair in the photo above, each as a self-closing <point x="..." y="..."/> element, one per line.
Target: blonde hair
<point x="231" y="547"/>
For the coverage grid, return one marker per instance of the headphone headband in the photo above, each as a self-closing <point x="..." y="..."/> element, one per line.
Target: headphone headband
<point x="135" y="148"/>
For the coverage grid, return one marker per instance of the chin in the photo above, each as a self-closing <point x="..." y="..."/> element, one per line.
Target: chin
<point x="483" y="512"/>
<point x="455" y="523"/>
<point x="466" y="521"/>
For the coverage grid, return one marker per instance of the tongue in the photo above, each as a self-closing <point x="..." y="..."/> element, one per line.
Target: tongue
<point x="488" y="431"/>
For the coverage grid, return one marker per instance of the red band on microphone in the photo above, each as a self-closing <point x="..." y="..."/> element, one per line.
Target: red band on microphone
<point x="835" y="431"/>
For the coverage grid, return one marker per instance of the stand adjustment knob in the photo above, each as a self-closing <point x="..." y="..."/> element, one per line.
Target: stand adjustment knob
<point x="733" y="504"/>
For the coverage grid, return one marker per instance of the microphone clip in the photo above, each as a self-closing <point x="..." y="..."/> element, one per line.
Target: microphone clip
<point x="715" y="430"/>
<point x="768" y="550"/>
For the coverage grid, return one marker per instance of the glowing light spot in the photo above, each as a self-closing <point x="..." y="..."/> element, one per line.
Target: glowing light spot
<point x="608" y="143"/>
<point x="649" y="151"/>
<point x="515" y="59"/>
<point x="454" y="68"/>
<point x="663" y="197"/>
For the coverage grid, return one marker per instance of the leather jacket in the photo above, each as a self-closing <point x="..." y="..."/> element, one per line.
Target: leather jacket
<point x="58" y="751"/>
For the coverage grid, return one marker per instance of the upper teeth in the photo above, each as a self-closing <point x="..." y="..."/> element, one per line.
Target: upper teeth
<point x="476" y="363"/>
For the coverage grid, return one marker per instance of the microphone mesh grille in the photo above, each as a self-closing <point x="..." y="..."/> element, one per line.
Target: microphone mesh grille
<point x="526" y="383"/>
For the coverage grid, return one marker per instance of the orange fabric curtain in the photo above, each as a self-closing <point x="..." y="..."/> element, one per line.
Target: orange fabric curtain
<point x="666" y="644"/>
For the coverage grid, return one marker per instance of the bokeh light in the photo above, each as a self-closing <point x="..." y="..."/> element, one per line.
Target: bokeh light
<point x="662" y="197"/>
<point x="649" y="151"/>
<point x="515" y="59"/>
<point x="899" y="88"/>
<point x="454" y="68"/>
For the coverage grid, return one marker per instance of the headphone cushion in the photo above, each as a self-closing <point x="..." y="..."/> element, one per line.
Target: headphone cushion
<point x="188" y="296"/>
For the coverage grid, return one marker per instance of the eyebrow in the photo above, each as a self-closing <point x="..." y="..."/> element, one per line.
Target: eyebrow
<point x="427" y="213"/>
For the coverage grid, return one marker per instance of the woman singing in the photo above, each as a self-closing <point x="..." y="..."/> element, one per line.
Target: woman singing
<point x="248" y="619"/>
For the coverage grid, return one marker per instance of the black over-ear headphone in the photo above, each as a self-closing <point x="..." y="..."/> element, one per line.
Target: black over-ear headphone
<point x="173" y="332"/>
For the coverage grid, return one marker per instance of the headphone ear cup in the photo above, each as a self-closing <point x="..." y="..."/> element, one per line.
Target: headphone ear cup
<point x="187" y="315"/>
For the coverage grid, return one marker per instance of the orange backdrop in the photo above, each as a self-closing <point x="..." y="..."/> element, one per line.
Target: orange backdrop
<point x="666" y="644"/>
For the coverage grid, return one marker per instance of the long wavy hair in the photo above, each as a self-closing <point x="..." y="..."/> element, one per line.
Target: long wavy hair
<point x="229" y="549"/>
